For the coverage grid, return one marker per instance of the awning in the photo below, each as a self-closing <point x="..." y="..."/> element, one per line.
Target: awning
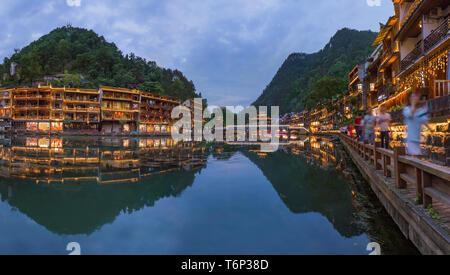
<point x="381" y="36"/>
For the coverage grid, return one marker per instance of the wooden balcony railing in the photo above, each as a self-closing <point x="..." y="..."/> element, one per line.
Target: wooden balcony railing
<point x="121" y="98"/>
<point x="121" y="110"/>
<point x="31" y="117"/>
<point x="81" y="100"/>
<point x="412" y="56"/>
<point x="82" y="110"/>
<point x="440" y="106"/>
<point x="429" y="182"/>
<point x="422" y="47"/>
<point x="437" y="35"/>
<point x="441" y="88"/>
<point x="32" y="97"/>
<point x="41" y="107"/>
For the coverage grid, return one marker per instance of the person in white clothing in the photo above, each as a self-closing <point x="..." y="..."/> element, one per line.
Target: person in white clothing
<point x="416" y="116"/>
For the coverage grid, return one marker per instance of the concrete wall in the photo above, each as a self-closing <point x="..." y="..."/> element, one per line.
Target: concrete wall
<point x="429" y="24"/>
<point x="407" y="45"/>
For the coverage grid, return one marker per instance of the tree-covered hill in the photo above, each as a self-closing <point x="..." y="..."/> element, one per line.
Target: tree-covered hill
<point x="88" y="61"/>
<point x="296" y="84"/>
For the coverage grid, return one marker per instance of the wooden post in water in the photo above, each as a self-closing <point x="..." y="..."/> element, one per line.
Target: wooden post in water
<point x="399" y="167"/>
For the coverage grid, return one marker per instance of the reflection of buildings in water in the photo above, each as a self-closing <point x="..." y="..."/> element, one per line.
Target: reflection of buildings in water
<point x="318" y="151"/>
<point x="304" y="188"/>
<point x="75" y="194"/>
<point x="83" y="208"/>
<point x="314" y="186"/>
<point x="56" y="160"/>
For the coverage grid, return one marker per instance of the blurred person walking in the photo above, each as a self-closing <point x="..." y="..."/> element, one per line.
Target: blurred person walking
<point x="358" y="128"/>
<point x="369" y="122"/>
<point x="384" y="122"/>
<point x="416" y="116"/>
<point x="350" y="130"/>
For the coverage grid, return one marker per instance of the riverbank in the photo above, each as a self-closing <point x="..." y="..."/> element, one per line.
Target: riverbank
<point x="418" y="204"/>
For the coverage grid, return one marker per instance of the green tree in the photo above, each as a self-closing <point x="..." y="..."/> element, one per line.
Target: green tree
<point x="63" y="53"/>
<point x="30" y="68"/>
<point x="77" y="51"/>
<point x="151" y="87"/>
<point x="325" y="89"/>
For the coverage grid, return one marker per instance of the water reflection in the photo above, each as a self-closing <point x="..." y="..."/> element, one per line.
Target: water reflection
<point x="99" y="160"/>
<point x="305" y="188"/>
<point x="76" y="186"/>
<point x="321" y="178"/>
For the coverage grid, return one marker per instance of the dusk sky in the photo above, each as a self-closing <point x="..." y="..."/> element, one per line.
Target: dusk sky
<point x="231" y="49"/>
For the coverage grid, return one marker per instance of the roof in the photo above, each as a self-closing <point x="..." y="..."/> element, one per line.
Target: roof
<point x="382" y="35"/>
<point x="116" y="89"/>
<point x="87" y="91"/>
<point x="160" y="97"/>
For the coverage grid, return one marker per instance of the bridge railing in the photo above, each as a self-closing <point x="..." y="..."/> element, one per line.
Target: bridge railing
<point x="430" y="182"/>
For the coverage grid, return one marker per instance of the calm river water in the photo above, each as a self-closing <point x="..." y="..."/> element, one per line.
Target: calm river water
<point x="155" y="196"/>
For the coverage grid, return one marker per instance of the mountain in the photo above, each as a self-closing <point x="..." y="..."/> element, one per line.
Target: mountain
<point x="299" y="74"/>
<point x="87" y="60"/>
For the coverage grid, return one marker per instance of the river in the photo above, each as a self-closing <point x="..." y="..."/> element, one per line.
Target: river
<point x="156" y="196"/>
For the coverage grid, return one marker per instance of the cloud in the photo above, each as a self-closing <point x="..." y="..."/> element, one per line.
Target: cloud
<point x="73" y="3"/>
<point x="230" y="49"/>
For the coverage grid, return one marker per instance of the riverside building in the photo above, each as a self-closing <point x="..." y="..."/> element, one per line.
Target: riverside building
<point x="108" y="110"/>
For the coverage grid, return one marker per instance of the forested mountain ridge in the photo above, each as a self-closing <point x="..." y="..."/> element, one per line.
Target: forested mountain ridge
<point x="89" y="61"/>
<point x="304" y="79"/>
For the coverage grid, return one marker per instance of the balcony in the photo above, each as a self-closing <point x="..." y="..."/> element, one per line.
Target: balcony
<point x="32" y="117"/>
<point x="30" y="108"/>
<point x="120" y="97"/>
<point x="32" y="97"/>
<point x="439" y="107"/>
<point x="438" y="35"/>
<point x="423" y="47"/>
<point x="117" y="117"/>
<point x="441" y="88"/>
<point x="82" y="100"/>
<point x="82" y="110"/>
<point x="120" y="110"/>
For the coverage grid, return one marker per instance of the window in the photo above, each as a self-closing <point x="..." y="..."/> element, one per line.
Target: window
<point x="44" y="142"/>
<point x="142" y="143"/>
<point x="150" y="142"/>
<point x="56" y="143"/>
<point x="32" y="126"/>
<point x="44" y="126"/>
<point x="31" y="142"/>
<point x="143" y="128"/>
<point x="57" y="126"/>
<point x="126" y="127"/>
